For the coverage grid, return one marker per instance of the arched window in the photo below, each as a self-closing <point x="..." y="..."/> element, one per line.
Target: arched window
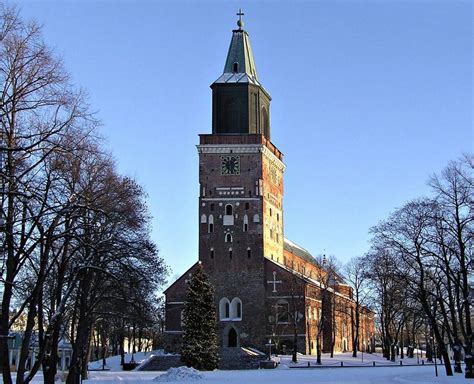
<point x="229" y="217"/>
<point x="282" y="311"/>
<point x="265" y="123"/>
<point x="230" y="253"/>
<point x="228" y="238"/>
<point x="212" y="253"/>
<point x="247" y="205"/>
<point x="236" y="309"/>
<point x="224" y="309"/>
<point x="210" y="226"/>
<point x="203" y="219"/>
<point x="236" y="67"/>
<point x="232" y="116"/>
<point x="249" y="253"/>
<point x="246" y="223"/>
<point x="256" y="218"/>
<point x="182" y="318"/>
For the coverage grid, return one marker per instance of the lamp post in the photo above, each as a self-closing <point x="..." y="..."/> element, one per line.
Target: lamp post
<point x="269" y="345"/>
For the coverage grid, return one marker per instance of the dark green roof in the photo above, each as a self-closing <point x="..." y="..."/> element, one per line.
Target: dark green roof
<point x="240" y="53"/>
<point x="299" y="251"/>
<point x="239" y="65"/>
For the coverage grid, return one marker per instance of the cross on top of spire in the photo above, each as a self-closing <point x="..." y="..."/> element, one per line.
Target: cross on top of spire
<point x="240" y="22"/>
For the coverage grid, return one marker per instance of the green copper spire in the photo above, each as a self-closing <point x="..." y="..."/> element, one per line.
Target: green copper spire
<point x="239" y="65"/>
<point x="240" y="104"/>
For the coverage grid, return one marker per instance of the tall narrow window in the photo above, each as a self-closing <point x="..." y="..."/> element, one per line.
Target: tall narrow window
<point x="282" y="311"/>
<point x="247" y="205"/>
<point x="230" y="253"/>
<point x="270" y="211"/>
<point x="211" y="224"/>
<point x="246" y="223"/>
<point x="228" y="209"/>
<point x="236" y="67"/>
<point x="212" y="253"/>
<point x="212" y="206"/>
<point x="265" y="123"/>
<point x="236" y="309"/>
<point x="224" y="308"/>
<point x="278" y="217"/>
<point x="203" y="219"/>
<point x="232" y="115"/>
<point x="182" y="319"/>
<point x="249" y="253"/>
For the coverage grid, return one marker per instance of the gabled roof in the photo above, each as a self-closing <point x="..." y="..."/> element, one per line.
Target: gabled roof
<point x="180" y="277"/>
<point x="299" y="251"/>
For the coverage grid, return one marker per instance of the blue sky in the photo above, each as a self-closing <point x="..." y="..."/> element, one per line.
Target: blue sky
<point x="369" y="99"/>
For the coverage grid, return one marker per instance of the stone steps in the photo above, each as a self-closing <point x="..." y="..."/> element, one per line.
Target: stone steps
<point x="229" y="359"/>
<point x="238" y="358"/>
<point x="161" y="363"/>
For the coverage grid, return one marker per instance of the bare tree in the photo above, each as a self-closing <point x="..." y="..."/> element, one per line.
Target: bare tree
<point x="356" y="276"/>
<point x="37" y="107"/>
<point x="454" y="195"/>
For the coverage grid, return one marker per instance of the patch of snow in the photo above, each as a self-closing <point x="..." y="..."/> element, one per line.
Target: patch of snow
<point x="180" y="374"/>
<point x="112" y="363"/>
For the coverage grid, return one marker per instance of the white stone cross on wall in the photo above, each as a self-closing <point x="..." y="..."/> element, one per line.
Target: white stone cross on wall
<point x="274" y="281"/>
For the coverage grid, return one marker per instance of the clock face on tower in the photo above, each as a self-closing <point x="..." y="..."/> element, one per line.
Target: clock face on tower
<point x="230" y="165"/>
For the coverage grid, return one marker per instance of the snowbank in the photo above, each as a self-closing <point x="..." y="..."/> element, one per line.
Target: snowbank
<point x="180" y="374"/>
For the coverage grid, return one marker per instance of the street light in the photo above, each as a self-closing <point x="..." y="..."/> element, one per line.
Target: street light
<point x="269" y="345"/>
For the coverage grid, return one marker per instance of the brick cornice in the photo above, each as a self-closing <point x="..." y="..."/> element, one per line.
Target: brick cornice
<point x="241" y="149"/>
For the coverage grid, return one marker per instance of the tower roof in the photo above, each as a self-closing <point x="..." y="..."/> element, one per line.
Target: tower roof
<point x="239" y="65"/>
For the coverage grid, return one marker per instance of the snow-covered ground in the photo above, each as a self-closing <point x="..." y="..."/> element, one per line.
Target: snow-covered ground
<point x="395" y="375"/>
<point x="363" y="360"/>
<point x="331" y="373"/>
<point x="113" y="363"/>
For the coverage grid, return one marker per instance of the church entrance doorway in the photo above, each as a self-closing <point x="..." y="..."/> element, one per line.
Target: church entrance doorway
<point x="232" y="338"/>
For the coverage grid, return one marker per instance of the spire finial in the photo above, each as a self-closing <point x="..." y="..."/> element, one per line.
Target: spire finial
<point x="240" y="22"/>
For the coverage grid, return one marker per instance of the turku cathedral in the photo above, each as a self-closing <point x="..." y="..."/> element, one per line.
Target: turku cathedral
<point x="267" y="288"/>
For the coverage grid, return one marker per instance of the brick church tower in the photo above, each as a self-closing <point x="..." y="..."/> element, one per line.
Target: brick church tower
<point x="241" y="195"/>
<point x="266" y="286"/>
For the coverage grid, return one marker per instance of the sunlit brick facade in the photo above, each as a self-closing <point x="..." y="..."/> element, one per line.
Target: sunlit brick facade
<point x="266" y="286"/>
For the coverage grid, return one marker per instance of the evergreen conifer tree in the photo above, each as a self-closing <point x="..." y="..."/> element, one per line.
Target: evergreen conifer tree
<point x="199" y="349"/>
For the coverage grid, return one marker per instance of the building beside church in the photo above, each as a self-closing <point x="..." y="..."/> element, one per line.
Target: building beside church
<point x="266" y="286"/>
